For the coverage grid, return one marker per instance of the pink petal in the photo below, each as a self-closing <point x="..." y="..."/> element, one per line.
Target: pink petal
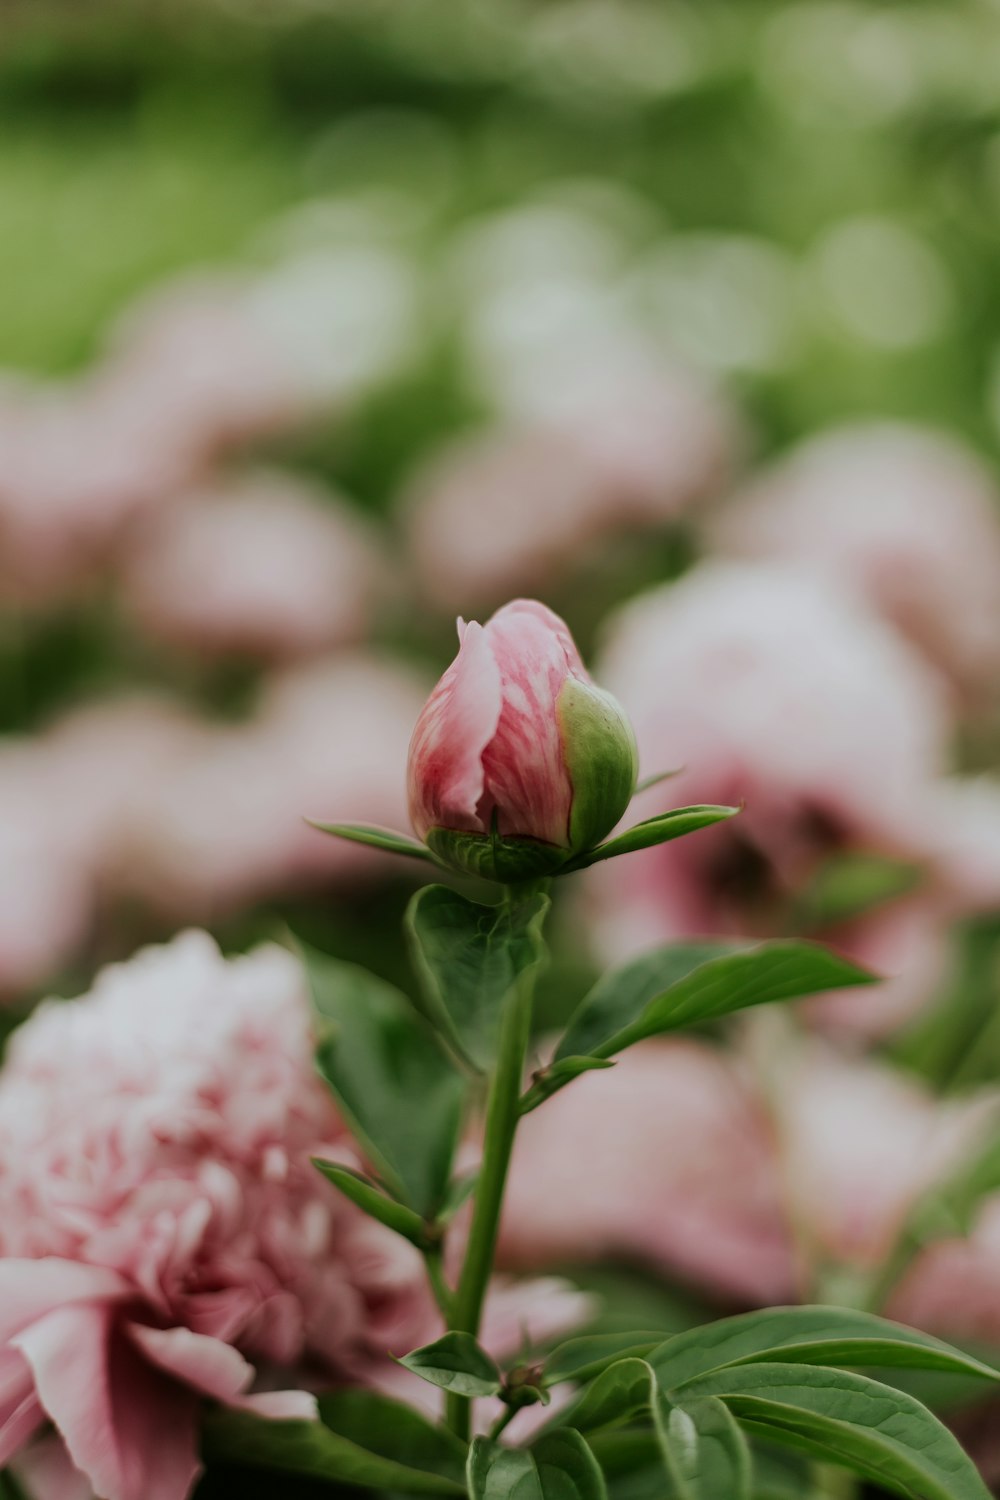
<point x="445" y="771"/>
<point x="20" y="1412"/>
<point x="31" y="1288"/>
<point x="280" y="1406"/>
<point x="129" y="1429"/>
<point x="47" y="1472"/>
<point x="210" y="1366"/>
<point x="526" y="779"/>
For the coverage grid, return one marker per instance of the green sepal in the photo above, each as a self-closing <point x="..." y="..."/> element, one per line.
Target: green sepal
<point x="490" y="857"/>
<point x="376" y="838"/>
<point x="660" y="829"/>
<point x="369" y="1197"/>
<point x="602" y="759"/>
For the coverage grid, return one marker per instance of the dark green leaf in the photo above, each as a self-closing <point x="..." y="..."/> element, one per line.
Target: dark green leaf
<point x="377" y="838"/>
<point x="619" y="1391"/>
<point x="399" y="1092"/>
<point x="658" y="830"/>
<point x="456" y="1363"/>
<point x="559" y="1466"/>
<point x="468" y="957"/>
<point x="705" y="1456"/>
<point x="362" y="1439"/>
<point x="585" y="1357"/>
<point x="813" y="1335"/>
<point x="549" y="1080"/>
<point x="370" y="1197"/>
<point x="845" y="1418"/>
<point x="686" y="983"/>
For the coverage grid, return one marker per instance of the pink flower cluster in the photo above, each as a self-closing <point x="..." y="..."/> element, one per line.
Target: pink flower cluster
<point x="164" y="1237"/>
<point x="142" y="800"/>
<point x="776" y="689"/>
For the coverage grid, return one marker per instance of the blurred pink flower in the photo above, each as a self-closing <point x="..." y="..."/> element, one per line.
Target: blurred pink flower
<point x="266" y="565"/>
<point x="772" y="688"/>
<point x="163" y="1234"/>
<point x="953" y="1288"/>
<point x="665" y="1158"/>
<point x="226" y="828"/>
<point x="908" y="518"/>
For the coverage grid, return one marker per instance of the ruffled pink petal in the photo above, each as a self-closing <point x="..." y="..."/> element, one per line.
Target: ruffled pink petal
<point x="20" y="1412"/>
<point x="209" y="1366"/>
<point x="445" y="768"/>
<point x="526" y="778"/>
<point x="31" y="1288"/>
<point x="129" y="1429"/>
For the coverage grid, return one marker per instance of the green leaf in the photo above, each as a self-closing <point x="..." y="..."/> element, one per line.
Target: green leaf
<point x="585" y="1357"/>
<point x="457" y="1363"/>
<point x="813" y="1335"/>
<point x="468" y="957"/>
<point x="849" y="885"/>
<point x="370" y="1197"/>
<point x="549" y="1080"/>
<point x="361" y="1439"/>
<point x="376" y="838"/>
<point x="845" y="1418"/>
<point x="687" y="983"/>
<point x="705" y="1455"/>
<point x="400" y="1094"/>
<point x="559" y="1466"/>
<point x="652" y="831"/>
<point x="621" y="1390"/>
<point x="647" y="782"/>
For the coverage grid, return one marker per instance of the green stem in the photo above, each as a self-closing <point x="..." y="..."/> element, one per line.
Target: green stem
<point x="502" y="1115"/>
<point x="501" y="1422"/>
<point x="434" y="1266"/>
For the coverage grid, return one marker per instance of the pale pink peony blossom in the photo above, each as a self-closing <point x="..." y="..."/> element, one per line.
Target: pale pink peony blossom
<point x="773" y="689"/>
<point x="664" y="1159"/>
<point x="164" y="1236"/>
<point x="910" y="519"/>
<point x="517" y="742"/>
<point x="266" y="566"/>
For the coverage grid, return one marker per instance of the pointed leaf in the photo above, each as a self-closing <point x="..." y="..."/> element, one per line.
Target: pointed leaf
<point x="588" y="1356"/>
<point x="549" y="1080"/>
<point x="654" y="780"/>
<point x="559" y="1466"/>
<point x="814" y="1335"/>
<point x="652" y="831"/>
<point x="361" y="1439"/>
<point x="377" y="838"/>
<point x="457" y="1363"/>
<point x="370" y="1197"/>
<point x="688" y="983"/>
<point x="846" y="1418"/>
<point x="400" y="1094"/>
<point x="705" y="1455"/>
<point x="468" y="957"/>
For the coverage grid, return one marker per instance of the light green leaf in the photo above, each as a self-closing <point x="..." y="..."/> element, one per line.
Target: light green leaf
<point x="370" y="1197"/>
<point x="848" y="885"/>
<point x="457" y="1363"/>
<point x="688" y="983"/>
<point x="559" y="1466"/>
<point x="585" y="1357"/>
<point x="362" y="1439"/>
<point x="705" y="1456"/>
<point x="845" y="1418"/>
<point x="468" y="957"/>
<point x="549" y="1080"/>
<point x="376" y="838"/>
<point x="400" y="1094"/>
<point x="652" y="831"/>
<point x="813" y="1335"/>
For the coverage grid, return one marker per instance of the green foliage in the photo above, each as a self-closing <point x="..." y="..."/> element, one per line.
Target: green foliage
<point x="468" y="957"/>
<point x="398" y="1091"/>
<point x="559" y="1466"/>
<point x="687" y="984"/>
<point x="456" y="1362"/>
<point x="658" y="830"/>
<point x="361" y="1439"/>
<point x="369" y="1197"/>
<point x="385" y="839"/>
<point x="705" y="1455"/>
<point x="602" y="759"/>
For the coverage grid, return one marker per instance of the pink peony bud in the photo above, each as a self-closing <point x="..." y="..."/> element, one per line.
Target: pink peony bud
<point x="518" y="762"/>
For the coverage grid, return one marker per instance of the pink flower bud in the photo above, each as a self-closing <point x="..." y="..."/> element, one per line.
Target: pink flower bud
<point x="518" y="762"/>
